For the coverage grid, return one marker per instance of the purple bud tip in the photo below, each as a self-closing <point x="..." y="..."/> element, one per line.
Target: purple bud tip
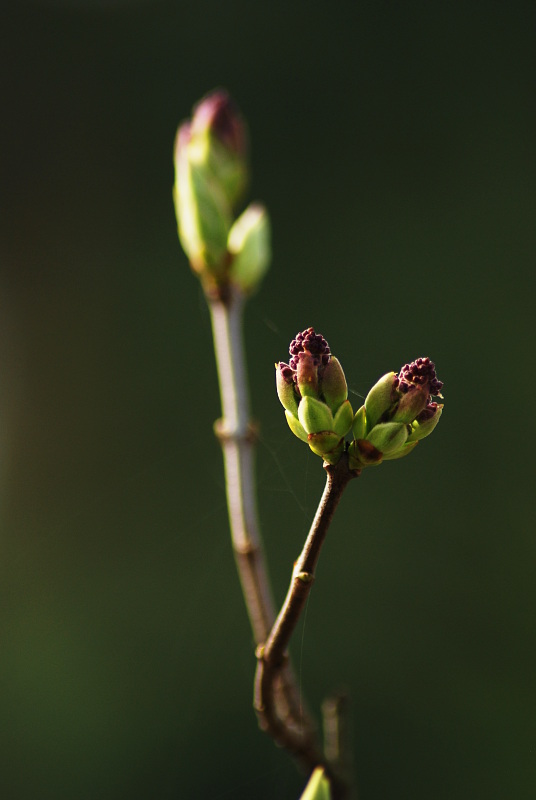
<point x="309" y="342"/>
<point x="219" y="113"/>
<point x="286" y="372"/>
<point x="419" y="373"/>
<point x="427" y="413"/>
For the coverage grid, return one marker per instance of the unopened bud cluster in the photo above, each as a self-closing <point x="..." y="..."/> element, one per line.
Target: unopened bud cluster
<point x="312" y="389"/>
<point x="211" y="175"/>
<point x="398" y="411"/>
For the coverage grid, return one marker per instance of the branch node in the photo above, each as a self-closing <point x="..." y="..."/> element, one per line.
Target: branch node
<point x="225" y="433"/>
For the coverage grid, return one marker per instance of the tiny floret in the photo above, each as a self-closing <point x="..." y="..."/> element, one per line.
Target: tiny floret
<point x="309" y="342"/>
<point x="421" y="372"/>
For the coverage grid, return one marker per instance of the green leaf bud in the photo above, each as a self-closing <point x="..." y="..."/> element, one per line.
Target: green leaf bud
<point x="359" y="425"/>
<point x="388" y="437"/>
<point x="314" y="415"/>
<point x="425" y="422"/>
<point x="286" y="389"/>
<point x="333" y="384"/>
<point x="327" y="444"/>
<point x="249" y="246"/>
<point x="380" y="399"/>
<point x="296" y="427"/>
<point x="342" y="421"/>
<point x="220" y="134"/>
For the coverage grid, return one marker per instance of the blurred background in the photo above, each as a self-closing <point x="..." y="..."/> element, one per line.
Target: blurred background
<point x="394" y="146"/>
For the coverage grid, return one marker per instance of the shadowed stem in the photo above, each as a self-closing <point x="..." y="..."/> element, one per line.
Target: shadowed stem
<point x="272" y="655"/>
<point x="237" y="435"/>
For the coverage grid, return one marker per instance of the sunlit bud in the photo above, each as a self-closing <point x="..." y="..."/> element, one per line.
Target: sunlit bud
<point x="380" y="399"/>
<point x="334" y="387"/>
<point x="220" y="131"/>
<point x="312" y="388"/>
<point x="249" y="246"/>
<point x="314" y="415"/>
<point x="398" y="412"/>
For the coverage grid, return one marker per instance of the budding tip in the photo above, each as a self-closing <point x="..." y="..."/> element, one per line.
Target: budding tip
<point x="219" y="113"/>
<point x="419" y="373"/>
<point x="308" y="341"/>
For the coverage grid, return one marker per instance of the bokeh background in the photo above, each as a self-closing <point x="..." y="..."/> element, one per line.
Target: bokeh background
<point x="394" y="146"/>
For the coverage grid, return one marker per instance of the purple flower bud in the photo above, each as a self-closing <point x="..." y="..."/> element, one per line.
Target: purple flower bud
<point x="420" y="372"/>
<point x="309" y="342"/>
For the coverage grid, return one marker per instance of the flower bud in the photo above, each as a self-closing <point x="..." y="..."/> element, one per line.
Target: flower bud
<point x="210" y="177"/>
<point x="220" y="130"/>
<point x="249" y="246"/>
<point x="398" y="412"/>
<point x="312" y="388"/>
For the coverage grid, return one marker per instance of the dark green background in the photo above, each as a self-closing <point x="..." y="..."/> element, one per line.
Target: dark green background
<point x="394" y="144"/>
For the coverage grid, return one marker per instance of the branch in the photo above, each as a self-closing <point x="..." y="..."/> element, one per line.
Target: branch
<point x="273" y="655"/>
<point x="237" y="436"/>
